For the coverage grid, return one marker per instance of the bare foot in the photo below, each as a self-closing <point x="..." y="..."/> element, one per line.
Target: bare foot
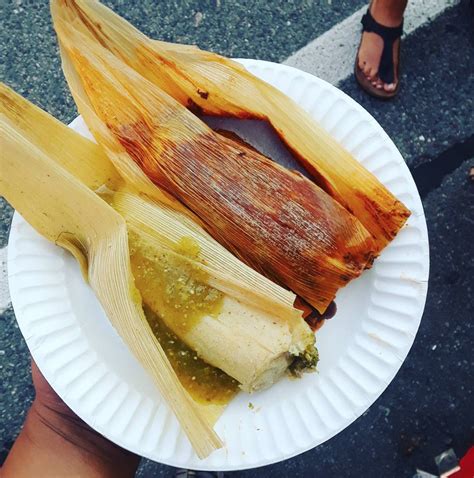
<point x="388" y="13"/>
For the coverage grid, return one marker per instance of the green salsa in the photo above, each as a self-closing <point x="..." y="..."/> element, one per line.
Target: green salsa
<point x="205" y="383"/>
<point x="176" y="296"/>
<point x="172" y="284"/>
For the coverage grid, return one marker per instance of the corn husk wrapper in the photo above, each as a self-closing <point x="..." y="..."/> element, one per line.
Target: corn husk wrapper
<point x="211" y="84"/>
<point x="257" y="333"/>
<point x="279" y="222"/>
<point x="65" y="211"/>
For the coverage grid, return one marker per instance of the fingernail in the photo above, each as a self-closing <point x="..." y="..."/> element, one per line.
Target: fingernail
<point x="379" y="86"/>
<point x="391" y="86"/>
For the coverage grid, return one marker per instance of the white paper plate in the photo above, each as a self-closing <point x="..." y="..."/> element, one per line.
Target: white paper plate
<point x="361" y="349"/>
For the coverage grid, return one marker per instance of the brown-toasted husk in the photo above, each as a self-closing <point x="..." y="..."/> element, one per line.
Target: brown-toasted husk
<point x="276" y="220"/>
<point x="208" y="83"/>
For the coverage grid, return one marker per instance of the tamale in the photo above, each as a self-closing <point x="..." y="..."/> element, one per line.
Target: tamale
<point x="211" y="84"/>
<point x="252" y="332"/>
<point x="225" y="327"/>
<point x="66" y="212"/>
<point x="276" y="220"/>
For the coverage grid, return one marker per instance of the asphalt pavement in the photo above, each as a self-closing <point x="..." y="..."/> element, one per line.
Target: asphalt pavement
<point x="428" y="406"/>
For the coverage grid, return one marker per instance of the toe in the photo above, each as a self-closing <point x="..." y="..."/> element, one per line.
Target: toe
<point x="379" y="84"/>
<point x="389" y="87"/>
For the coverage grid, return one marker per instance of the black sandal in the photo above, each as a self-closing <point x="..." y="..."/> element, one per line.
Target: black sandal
<point x="386" y="71"/>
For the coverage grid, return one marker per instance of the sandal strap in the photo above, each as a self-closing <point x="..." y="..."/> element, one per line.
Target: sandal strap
<point x="389" y="35"/>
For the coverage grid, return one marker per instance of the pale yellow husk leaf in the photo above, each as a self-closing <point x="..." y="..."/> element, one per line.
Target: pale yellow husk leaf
<point x="68" y="213"/>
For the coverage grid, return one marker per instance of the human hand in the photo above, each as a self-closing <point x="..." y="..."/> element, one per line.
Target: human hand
<point x="56" y="443"/>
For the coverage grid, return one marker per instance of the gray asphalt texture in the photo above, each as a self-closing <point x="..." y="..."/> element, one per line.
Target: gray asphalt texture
<point x="428" y="407"/>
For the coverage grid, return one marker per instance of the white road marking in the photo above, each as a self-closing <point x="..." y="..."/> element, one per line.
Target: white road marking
<point x="331" y="56"/>
<point x="5" y="300"/>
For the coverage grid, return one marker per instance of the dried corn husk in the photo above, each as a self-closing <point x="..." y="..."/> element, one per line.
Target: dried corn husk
<point x="214" y="85"/>
<point x="68" y="213"/>
<point x="279" y="222"/>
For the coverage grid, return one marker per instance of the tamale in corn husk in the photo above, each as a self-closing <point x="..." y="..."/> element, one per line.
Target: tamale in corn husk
<point x="251" y="338"/>
<point x="244" y="325"/>
<point x="211" y="84"/>
<point x="277" y="221"/>
<point x="69" y="214"/>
